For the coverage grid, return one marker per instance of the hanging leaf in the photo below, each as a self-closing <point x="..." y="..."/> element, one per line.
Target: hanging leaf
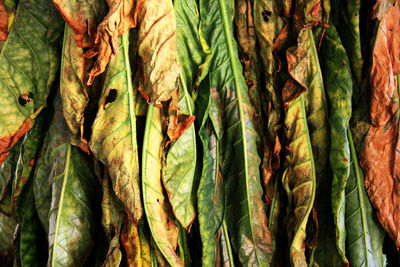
<point x="28" y="63"/>
<point x="114" y="138"/>
<point x="162" y="226"/>
<point x="245" y="212"/>
<point x="82" y="17"/>
<point x="30" y="147"/>
<point x="3" y="22"/>
<point x="181" y="157"/>
<point x="7" y="227"/>
<point x="130" y="240"/>
<point x="379" y="157"/>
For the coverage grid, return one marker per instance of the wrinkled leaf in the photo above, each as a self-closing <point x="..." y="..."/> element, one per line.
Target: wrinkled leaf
<point x="245" y="211"/>
<point x="28" y="63"/>
<point x="162" y="226"/>
<point x="114" y="138"/>
<point x="157" y="25"/>
<point x="120" y="18"/>
<point x="82" y="16"/>
<point x="74" y="91"/>
<point x="380" y="155"/>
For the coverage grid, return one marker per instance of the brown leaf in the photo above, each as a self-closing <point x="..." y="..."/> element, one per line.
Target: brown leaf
<point x="380" y="157"/>
<point x="81" y="16"/>
<point x="131" y="243"/>
<point x="3" y="22"/>
<point x="120" y="18"/>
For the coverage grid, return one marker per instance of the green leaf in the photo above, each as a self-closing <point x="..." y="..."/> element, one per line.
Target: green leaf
<point x="114" y="138"/>
<point x="245" y="212"/>
<point x="28" y="64"/>
<point x="7" y="169"/>
<point x="70" y="193"/>
<point x="181" y="157"/>
<point x="162" y="226"/>
<point x="7" y="228"/>
<point x="30" y="147"/>
<point x="32" y="251"/>
<point x="357" y="229"/>
<point x="347" y="23"/>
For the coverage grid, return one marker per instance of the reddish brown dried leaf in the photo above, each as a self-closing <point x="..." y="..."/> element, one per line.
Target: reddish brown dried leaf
<point x="380" y="157"/>
<point x="81" y="16"/>
<point x="131" y="242"/>
<point x="120" y="18"/>
<point x="3" y="22"/>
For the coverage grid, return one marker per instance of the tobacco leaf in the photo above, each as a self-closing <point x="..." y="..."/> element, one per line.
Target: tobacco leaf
<point x="28" y="63"/>
<point x="120" y="18"/>
<point x="73" y="89"/>
<point x="145" y="251"/>
<point x="157" y="50"/>
<point x="29" y="149"/>
<point x="299" y="178"/>
<point x="271" y="33"/>
<point x="114" y="133"/>
<point x="178" y="174"/>
<point x="82" y="16"/>
<point x="112" y="218"/>
<point x="161" y="224"/>
<point x="131" y="243"/>
<point x="66" y="195"/>
<point x="7" y="228"/>
<point x="245" y="211"/>
<point x="3" y="22"/>
<point x="7" y="169"/>
<point x="379" y="157"/>
<point x="339" y="86"/>
<point x="30" y="249"/>
<point x="347" y="23"/>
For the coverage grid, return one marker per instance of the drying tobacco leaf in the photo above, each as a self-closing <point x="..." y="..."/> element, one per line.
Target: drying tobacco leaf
<point x="73" y="89"/>
<point x="178" y="174"/>
<point x="7" y="227"/>
<point x="162" y="226"/>
<point x="114" y="138"/>
<point x="271" y="32"/>
<point x="356" y="225"/>
<point x="68" y="193"/>
<point x="348" y="27"/>
<point x="7" y="169"/>
<point x="339" y="86"/>
<point x="28" y="63"/>
<point x="131" y="243"/>
<point x="31" y="253"/>
<point x="120" y="18"/>
<point x="299" y="178"/>
<point x="3" y="22"/>
<point x="82" y="16"/>
<point x="30" y="147"/>
<point x="245" y="210"/>
<point x="380" y="157"/>
<point x="112" y="218"/>
<point x="157" y="25"/>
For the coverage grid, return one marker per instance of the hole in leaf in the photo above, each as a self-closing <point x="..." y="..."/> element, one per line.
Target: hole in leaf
<point x="25" y="98"/>
<point x="266" y="15"/>
<point x="112" y="95"/>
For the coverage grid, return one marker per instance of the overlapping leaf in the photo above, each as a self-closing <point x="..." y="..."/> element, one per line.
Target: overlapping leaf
<point x="28" y="62"/>
<point x="162" y="226"/>
<point x="245" y="212"/>
<point x="114" y="138"/>
<point x="181" y="157"/>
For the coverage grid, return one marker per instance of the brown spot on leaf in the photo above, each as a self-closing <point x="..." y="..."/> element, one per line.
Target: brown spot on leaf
<point x="31" y="162"/>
